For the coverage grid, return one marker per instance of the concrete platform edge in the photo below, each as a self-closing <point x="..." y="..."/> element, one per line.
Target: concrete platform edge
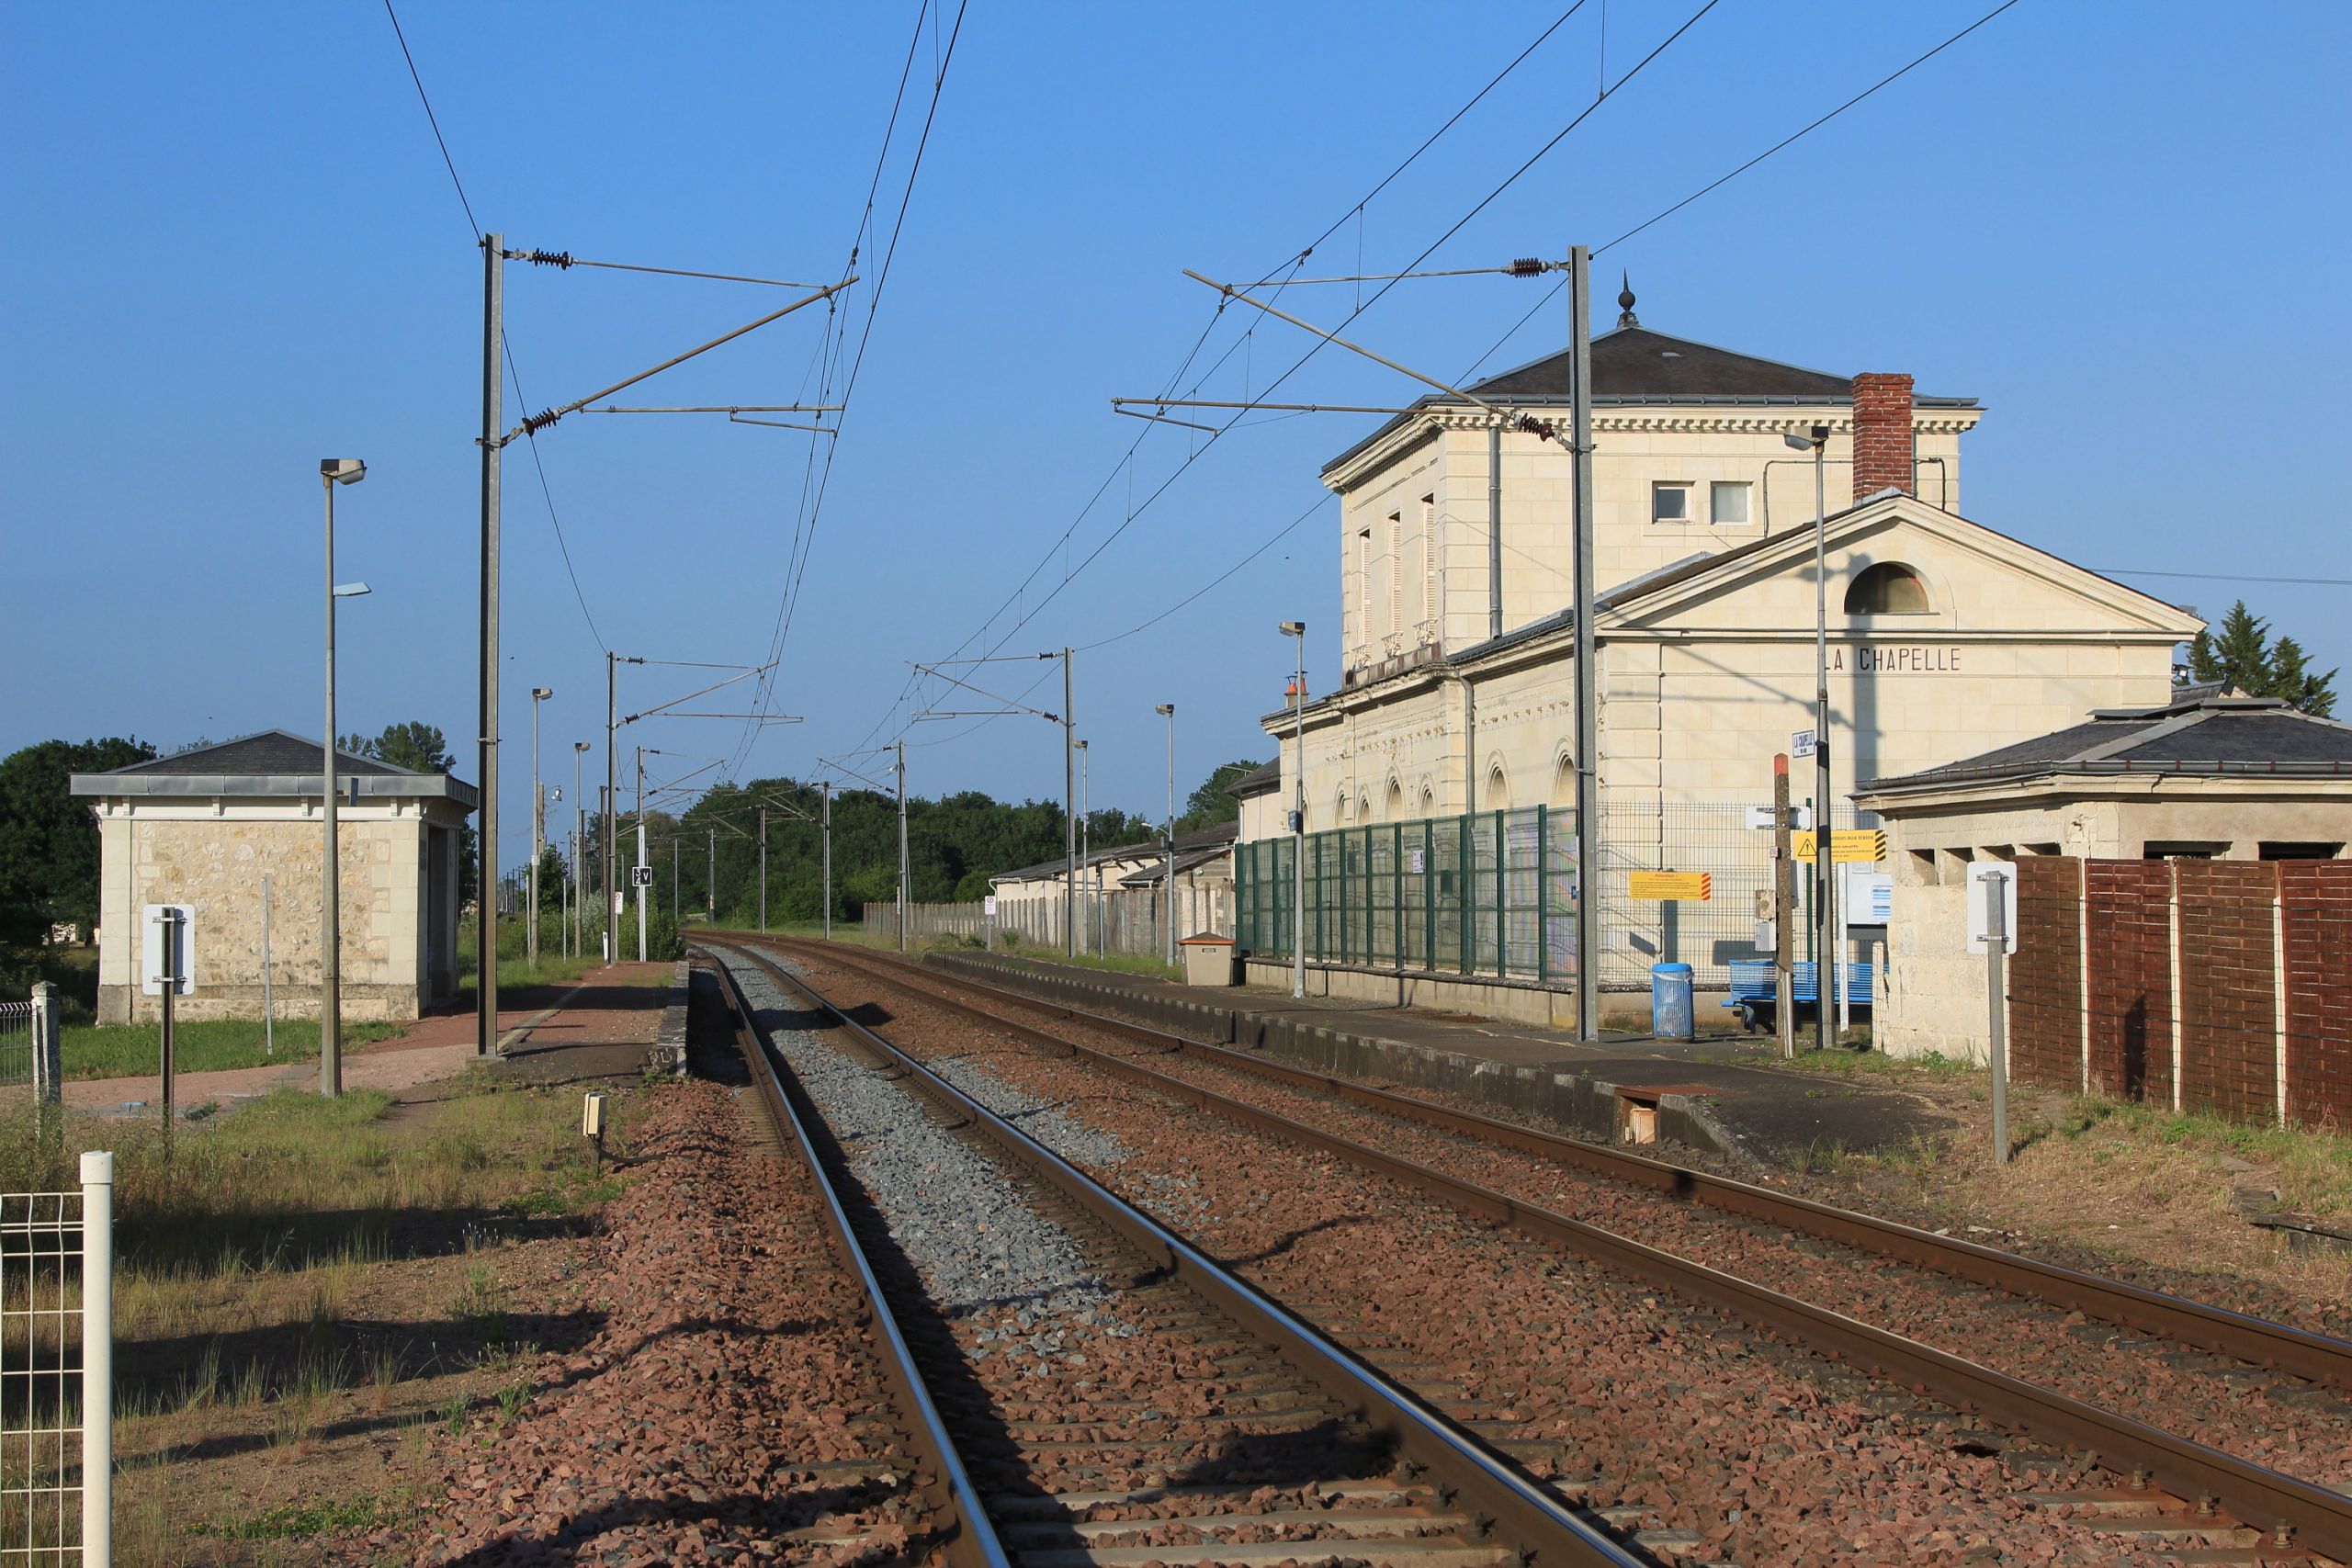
<point x="667" y="1052"/>
<point x="1590" y="1107"/>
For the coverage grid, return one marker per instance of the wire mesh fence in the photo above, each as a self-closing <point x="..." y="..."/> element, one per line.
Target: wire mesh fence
<point x="56" y="1356"/>
<point x="1126" y="922"/>
<point x="16" y="1043"/>
<point x="1495" y="894"/>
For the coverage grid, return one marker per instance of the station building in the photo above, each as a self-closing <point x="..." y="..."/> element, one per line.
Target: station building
<point x="1456" y="688"/>
<point x="220" y="829"/>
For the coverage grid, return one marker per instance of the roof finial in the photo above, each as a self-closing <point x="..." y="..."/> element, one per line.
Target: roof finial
<point x="1625" y="317"/>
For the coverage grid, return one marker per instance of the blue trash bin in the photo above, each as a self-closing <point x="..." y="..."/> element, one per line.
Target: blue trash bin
<point x="1671" y="1017"/>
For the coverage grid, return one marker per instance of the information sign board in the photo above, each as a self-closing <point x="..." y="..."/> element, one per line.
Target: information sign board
<point x="1860" y="846"/>
<point x="1675" y="886"/>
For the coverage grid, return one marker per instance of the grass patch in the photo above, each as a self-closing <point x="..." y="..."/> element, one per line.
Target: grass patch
<point x="132" y="1050"/>
<point x="289" y="1521"/>
<point x="2311" y="1170"/>
<point x="1847" y="1063"/>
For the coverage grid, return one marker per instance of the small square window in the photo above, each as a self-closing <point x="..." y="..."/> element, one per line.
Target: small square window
<point x="1669" y="504"/>
<point x="1727" y="504"/>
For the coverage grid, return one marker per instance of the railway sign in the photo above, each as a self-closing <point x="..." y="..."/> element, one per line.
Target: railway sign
<point x="1674" y="887"/>
<point x="159" y="924"/>
<point x="640" y="876"/>
<point x="1800" y="816"/>
<point x="1983" y="877"/>
<point x="1858" y="846"/>
<point x="1800" y="744"/>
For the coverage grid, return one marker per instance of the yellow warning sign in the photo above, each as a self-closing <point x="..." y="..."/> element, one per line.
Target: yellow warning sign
<point x="1857" y="846"/>
<point x="1674" y="886"/>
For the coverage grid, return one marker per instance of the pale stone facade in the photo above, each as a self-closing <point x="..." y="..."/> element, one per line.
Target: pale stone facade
<point x="209" y="839"/>
<point x="2236" y="796"/>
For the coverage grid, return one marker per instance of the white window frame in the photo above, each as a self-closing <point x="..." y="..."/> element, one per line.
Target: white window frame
<point x="1747" y="492"/>
<point x="1658" y="488"/>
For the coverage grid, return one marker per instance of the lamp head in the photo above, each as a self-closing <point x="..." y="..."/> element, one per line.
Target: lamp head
<point x="1166" y="708"/>
<point x="580" y="745"/>
<point x="342" y="470"/>
<point x="351" y="590"/>
<point x="541" y="693"/>
<point x="1799" y="442"/>
<point x="1079" y="744"/>
<point x="1293" y="628"/>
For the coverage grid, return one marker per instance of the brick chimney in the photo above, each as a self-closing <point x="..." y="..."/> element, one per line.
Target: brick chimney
<point x="1882" y="432"/>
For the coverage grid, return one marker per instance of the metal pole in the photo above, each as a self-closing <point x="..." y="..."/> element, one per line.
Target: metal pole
<point x="764" y="871"/>
<point x="170" y="920"/>
<point x="331" y="878"/>
<point x="1493" y="529"/>
<point x="1784" y="912"/>
<point x="637" y="875"/>
<point x="579" y="851"/>
<point x="900" y="766"/>
<point x="493" y="329"/>
<point x="538" y="827"/>
<point x="1069" y="818"/>
<point x="711" y="880"/>
<point x="1086" y="840"/>
<point x="612" y="724"/>
<point x="1298" y="828"/>
<point x="268" y="1006"/>
<point x="1825" y="964"/>
<point x="676" y="909"/>
<point x="97" y="1357"/>
<point x="1587" y="675"/>
<point x="1997" y="946"/>
<point x="1170" y="957"/>
<point x="828" y="860"/>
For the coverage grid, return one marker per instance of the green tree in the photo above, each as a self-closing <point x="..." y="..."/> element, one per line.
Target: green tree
<point x="1211" y="803"/>
<point x="48" y="840"/>
<point x="2243" y="656"/>
<point x="422" y="749"/>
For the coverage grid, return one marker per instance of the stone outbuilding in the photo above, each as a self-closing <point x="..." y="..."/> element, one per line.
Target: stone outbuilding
<point x="2206" y="776"/>
<point x="218" y="826"/>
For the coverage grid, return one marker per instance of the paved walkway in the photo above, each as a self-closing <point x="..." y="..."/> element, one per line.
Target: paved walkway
<point x="1775" y="1114"/>
<point x="618" y="1007"/>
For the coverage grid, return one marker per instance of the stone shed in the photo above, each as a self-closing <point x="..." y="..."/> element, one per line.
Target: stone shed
<point x="216" y="826"/>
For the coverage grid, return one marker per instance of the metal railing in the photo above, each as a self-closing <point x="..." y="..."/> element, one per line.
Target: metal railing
<point x="16" y="1043"/>
<point x="57" y="1372"/>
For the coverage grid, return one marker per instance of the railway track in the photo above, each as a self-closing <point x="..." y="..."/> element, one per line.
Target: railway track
<point x="1152" y="1407"/>
<point x="2228" y="1503"/>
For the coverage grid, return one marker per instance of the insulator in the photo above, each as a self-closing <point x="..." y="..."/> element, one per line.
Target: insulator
<point x="1526" y="266"/>
<point x="550" y="258"/>
<point x="540" y="420"/>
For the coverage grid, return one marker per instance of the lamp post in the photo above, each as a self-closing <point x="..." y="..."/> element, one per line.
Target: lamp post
<point x="1298" y="816"/>
<point x="579" y="846"/>
<point x="1168" y="710"/>
<point x="332" y="471"/>
<point x="1826" y="963"/>
<point x="1086" y="839"/>
<point x="538" y="819"/>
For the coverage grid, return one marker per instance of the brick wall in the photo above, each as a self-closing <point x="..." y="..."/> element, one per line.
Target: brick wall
<point x="2128" y="939"/>
<point x="2317" y="898"/>
<point x="1882" y="443"/>
<point x="2228" y="987"/>
<point x="2045" y="975"/>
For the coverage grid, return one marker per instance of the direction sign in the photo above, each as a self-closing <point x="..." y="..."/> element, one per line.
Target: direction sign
<point x="1800" y="816"/>
<point x="1983" y="877"/>
<point x="154" y="963"/>
<point x="1695" y="887"/>
<point x="1801" y="743"/>
<point x="1860" y="846"/>
<point x="640" y="876"/>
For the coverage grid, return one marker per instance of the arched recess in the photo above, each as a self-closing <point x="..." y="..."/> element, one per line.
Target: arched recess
<point x="1497" y="791"/>
<point x="1393" y="809"/>
<point x="1888" y="588"/>
<point x="1563" y="782"/>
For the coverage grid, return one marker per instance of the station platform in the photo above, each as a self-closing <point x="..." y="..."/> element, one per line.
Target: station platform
<point x="1716" y="1095"/>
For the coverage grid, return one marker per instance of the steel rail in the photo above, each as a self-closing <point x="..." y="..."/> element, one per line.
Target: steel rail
<point x="970" y="1540"/>
<point x="2319" y="1518"/>
<point x="2240" y="1335"/>
<point x="1490" y="1486"/>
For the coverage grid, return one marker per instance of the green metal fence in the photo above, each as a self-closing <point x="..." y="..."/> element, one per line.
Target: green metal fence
<point x="1491" y="894"/>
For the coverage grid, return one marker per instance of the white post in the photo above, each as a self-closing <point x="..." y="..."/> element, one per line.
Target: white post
<point x="1997" y="942"/>
<point x="98" y="1358"/>
<point x="48" y="1060"/>
<point x="269" y="1009"/>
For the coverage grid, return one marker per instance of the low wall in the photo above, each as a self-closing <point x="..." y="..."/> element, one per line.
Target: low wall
<point x="362" y="1003"/>
<point x="1584" y="1106"/>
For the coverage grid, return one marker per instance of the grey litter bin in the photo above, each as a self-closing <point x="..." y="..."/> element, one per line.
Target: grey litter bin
<point x="1671" y="1015"/>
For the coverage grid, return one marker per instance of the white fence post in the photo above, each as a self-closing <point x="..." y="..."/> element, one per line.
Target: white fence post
<point x="47" y="1063"/>
<point x="98" y="1358"/>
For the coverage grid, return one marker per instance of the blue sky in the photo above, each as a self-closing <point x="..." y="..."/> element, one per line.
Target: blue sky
<point x="233" y="249"/>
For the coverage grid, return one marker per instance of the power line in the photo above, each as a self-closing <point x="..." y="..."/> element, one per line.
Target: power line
<point x="1126" y="460"/>
<point x="2225" y="576"/>
<point x="1552" y="293"/>
<point x="506" y="346"/>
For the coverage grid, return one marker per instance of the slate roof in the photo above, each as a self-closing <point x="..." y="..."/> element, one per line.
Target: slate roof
<point x="1258" y="780"/>
<point x="2196" y="733"/>
<point x="1213" y="840"/>
<point x="1635" y="364"/>
<point x="272" y="762"/>
<point x="270" y="751"/>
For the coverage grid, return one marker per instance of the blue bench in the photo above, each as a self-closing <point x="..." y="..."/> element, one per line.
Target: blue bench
<point x="1754" y="994"/>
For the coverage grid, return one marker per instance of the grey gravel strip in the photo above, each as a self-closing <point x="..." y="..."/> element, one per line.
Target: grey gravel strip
<point x="980" y="1248"/>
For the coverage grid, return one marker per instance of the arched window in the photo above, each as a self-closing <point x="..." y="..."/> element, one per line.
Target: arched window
<point x="1497" y="791"/>
<point x="1886" y="589"/>
<point x="1394" y="807"/>
<point x="1340" y="811"/>
<point x="1564" y="783"/>
<point x="1429" y="801"/>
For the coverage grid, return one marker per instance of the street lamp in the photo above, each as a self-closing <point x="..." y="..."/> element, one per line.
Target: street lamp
<point x="1827" y="965"/>
<point x="579" y="851"/>
<point x="332" y="471"/>
<point x="1168" y="711"/>
<point x="1085" y="842"/>
<point x="1299" y="817"/>
<point x="539" y="818"/>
